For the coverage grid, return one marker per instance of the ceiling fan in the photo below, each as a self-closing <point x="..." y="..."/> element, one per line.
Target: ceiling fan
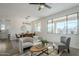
<point x="41" y="5"/>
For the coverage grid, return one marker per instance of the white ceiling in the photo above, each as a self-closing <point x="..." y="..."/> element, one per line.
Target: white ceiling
<point x="22" y="10"/>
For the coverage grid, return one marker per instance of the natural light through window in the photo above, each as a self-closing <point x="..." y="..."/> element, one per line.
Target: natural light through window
<point x="50" y="25"/>
<point x="2" y="27"/>
<point x="63" y="25"/>
<point x="60" y="24"/>
<point x="38" y="27"/>
<point x="72" y="24"/>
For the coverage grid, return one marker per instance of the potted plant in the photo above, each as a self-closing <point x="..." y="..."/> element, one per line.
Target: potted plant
<point x="43" y="41"/>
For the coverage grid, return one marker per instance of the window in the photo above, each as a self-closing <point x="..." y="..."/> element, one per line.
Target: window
<point x="38" y="27"/>
<point x="72" y="24"/>
<point x="2" y="27"/>
<point x="50" y="25"/>
<point x="63" y="25"/>
<point x="60" y="25"/>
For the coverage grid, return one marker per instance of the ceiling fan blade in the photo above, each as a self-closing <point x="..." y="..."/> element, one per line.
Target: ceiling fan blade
<point x="37" y="3"/>
<point x="41" y="4"/>
<point x="47" y="6"/>
<point x="34" y="3"/>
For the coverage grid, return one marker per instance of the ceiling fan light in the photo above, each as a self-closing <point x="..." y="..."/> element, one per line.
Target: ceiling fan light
<point x="42" y="6"/>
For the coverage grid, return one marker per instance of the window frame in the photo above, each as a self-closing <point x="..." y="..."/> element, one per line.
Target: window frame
<point x="2" y="25"/>
<point x="57" y="21"/>
<point x="67" y="22"/>
<point x="66" y="25"/>
<point x="52" y="25"/>
<point x="36" y="27"/>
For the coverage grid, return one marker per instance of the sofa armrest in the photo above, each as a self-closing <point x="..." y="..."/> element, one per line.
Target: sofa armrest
<point x="20" y="45"/>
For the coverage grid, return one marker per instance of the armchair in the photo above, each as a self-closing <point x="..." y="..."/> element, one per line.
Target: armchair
<point x="25" y="42"/>
<point x="64" y="44"/>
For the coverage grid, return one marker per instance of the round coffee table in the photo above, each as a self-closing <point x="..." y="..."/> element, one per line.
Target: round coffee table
<point x="38" y="50"/>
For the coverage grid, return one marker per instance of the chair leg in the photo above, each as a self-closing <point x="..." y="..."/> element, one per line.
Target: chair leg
<point x="58" y="51"/>
<point x="68" y="50"/>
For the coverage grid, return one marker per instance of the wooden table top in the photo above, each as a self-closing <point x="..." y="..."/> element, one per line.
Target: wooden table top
<point x="37" y="49"/>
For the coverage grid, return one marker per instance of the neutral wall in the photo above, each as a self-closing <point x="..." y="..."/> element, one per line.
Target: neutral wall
<point x="18" y="27"/>
<point x="56" y="37"/>
<point x="14" y="26"/>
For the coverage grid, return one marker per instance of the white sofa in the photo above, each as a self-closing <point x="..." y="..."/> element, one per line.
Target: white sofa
<point x="25" y="42"/>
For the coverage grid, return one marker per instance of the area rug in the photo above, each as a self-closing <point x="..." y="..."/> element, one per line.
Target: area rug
<point x="51" y="53"/>
<point x="15" y="52"/>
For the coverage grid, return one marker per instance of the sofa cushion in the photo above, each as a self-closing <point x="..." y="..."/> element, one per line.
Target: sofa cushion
<point x="56" y="44"/>
<point x="27" y="44"/>
<point x="27" y="39"/>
